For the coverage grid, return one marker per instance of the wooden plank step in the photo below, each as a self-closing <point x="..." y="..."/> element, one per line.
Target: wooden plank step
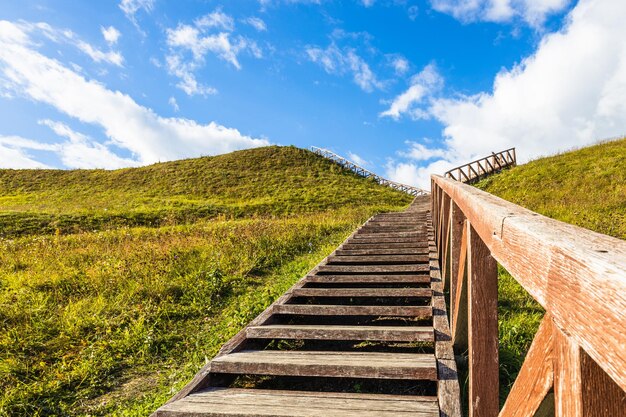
<point x="378" y="235"/>
<point x="369" y="279"/>
<point x="352" y="244"/>
<point x="377" y="333"/>
<point x="371" y="269"/>
<point x="238" y="402"/>
<point x="375" y="252"/>
<point x="328" y="364"/>
<point x="422" y="312"/>
<point x="376" y="239"/>
<point x="362" y="292"/>
<point x="378" y="259"/>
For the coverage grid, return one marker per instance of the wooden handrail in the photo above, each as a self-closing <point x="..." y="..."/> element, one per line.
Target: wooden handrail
<point x="578" y="276"/>
<point x="476" y="170"/>
<point x="414" y="191"/>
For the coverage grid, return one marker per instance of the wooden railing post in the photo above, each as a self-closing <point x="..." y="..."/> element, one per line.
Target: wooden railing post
<point x="482" y="298"/>
<point x="456" y="234"/>
<point x="458" y="315"/>
<point x="567" y="376"/>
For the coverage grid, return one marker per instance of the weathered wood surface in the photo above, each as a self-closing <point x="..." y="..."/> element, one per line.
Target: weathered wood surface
<point x="398" y="245"/>
<point x="369" y="279"/>
<point x="372" y="269"/>
<point x="336" y="332"/>
<point x="220" y="402"/>
<point x="375" y="252"/>
<point x="378" y="259"/>
<point x="348" y="310"/>
<point x="448" y="392"/>
<point x="362" y="292"/>
<point x="459" y="311"/>
<point x="536" y="376"/>
<point x="482" y="329"/>
<point x="575" y="274"/>
<point x="328" y="364"/>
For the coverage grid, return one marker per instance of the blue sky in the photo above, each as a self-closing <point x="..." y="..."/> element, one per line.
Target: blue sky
<point x="405" y="87"/>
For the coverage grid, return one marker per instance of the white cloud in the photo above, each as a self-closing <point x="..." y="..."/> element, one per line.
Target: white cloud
<point x="341" y="61"/>
<point x="110" y="34"/>
<point x="195" y="40"/>
<point x="216" y="19"/>
<point x="368" y="3"/>
<point x="413" y="12"/>
<point x="357" y="159"/>
<point x="533" y="12"/>
<point x="413" y="174"/>
<point x="131" y="7"/>
<point x="68" y="37"/>
<point x="420" y="152"/>
<point x="256" y="23"/>
<point x="568" y="93"/>
<point x="422" y="85"/>
<point x="97" y="55"/>
<point x="399" y="63"/>
<point x="80" y="151"/>
<point x="127" y="124"/>
<point x="13" y="154"/>
<point x="172" y="102"/>
<point x="187" y="80"/>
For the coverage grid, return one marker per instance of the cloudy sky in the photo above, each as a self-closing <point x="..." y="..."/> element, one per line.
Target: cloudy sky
<point x="405" y="87"/>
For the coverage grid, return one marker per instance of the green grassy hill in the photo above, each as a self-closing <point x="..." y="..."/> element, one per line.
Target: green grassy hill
<point x="585" y="187"/>
<point x="116" y="286"/>
<point x="265" y="181"/>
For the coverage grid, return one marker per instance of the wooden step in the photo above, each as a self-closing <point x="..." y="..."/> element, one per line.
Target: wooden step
<point x="372" y="333"/>
<point x="328" y="364"/>
<point x="377" y="239"/>
<point x="376" y="252"/>
<point x="362" y="292"/>
<point x="421" y="312"/>
<point x="352" y="244"/>
<point x="369" y="234"/>
<point x="378" y="259"/>
<point x="369" y="279"/>
<point x="238" y="402"/>
<point x="371" y="269"/>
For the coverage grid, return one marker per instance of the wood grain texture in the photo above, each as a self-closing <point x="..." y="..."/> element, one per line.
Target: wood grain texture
<point x="602" y="397"/>
<point x="328" y="364"/>
<point x="335" y="332"/>
<point x="459" y="312"/>
<point x="535" y="379"/>
<point x="482" y="296"/>
<point x="362" y="292"/>
<point x="575" y="274"/>
<point x="234" y="402"/>
<point x="567" y="376"/>
<point x="343" y="310"/>
<point x="448" y="392"/>
<point x="369" y="279"/>
<point x="456" y="237"/>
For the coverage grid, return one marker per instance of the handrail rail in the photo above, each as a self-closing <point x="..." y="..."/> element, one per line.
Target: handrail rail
<point x="414" y="191"/>
<point x="578" y="276"/>
<point x="483" y="167"/>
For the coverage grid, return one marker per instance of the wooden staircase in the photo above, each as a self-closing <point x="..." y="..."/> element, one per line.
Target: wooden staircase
<point x="365" y="333"/>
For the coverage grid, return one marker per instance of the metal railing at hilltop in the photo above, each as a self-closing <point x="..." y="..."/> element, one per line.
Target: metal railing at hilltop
<point x="481" y="168"/>
<point x="359" y="170"/>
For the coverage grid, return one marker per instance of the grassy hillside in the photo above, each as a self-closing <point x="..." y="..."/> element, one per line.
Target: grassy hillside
<point x="585" y="187"/>
<point x="115" y="286"/>
<point x="264" y="181"/>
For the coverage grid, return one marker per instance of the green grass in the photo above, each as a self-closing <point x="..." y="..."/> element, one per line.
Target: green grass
<point x="276" y="181"/>
<point x="585" y="187"/>
<point x="117" y="286"/>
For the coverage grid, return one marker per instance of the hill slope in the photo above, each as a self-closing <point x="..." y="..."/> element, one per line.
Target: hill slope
<point x="263" y="181"/>
<point x="170" y="262"/>
<point x="585" y="187"/>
